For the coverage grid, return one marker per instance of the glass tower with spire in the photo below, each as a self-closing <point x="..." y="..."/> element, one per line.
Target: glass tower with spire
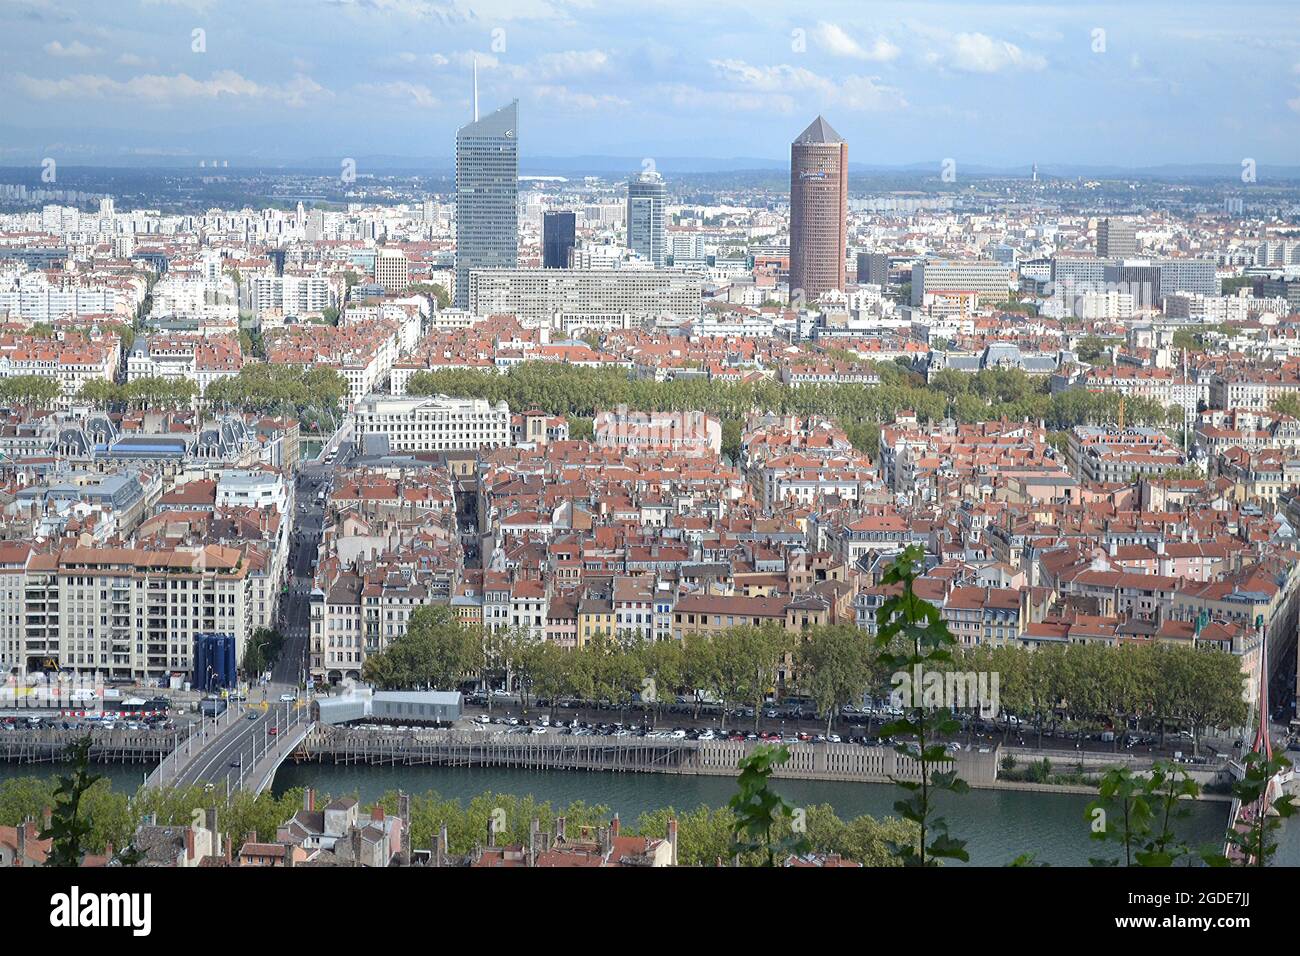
<point x="487" y="196"/>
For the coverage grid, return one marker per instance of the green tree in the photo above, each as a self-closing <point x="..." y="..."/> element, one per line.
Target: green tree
<point x="835" y="667"/>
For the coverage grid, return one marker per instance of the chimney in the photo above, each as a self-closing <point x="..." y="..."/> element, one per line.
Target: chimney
<point x="288" y="854"/>
<point x="356" y="846"/>
<point x="309" y="799"/>
<point x="443" y="848"/>
<point x="404" y="811"/>
<point x="534" y="828"/>
<point x="492" y="834"/>
<point x="614" y="826"/>
<point x="606" y="842"/>
<point x="22" y="843"/>
<point x="672" y="840"/>
<point x="189" y="843"/>
<point x="377" y="814"/>
<point x="559" y="830"/>
<point x="210" y="821"/>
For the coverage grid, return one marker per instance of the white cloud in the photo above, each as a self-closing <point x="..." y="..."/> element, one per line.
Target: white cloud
<point x="198" y="6"/>
<point x="692" y="97"/>
<point x="74" y="49"/>
<point x="132" y="59"/>
<point x="164" y="90"/>
<point x="837" y="42"/>
<point x="978" y="53"/>
<point x="417" y="94"/>
<point x="852" y="92"/>
<point x="567" y="99"/>
<point x="455" y="12"/>
<point x="459" y="58"/>
<point x="568" y="63"/>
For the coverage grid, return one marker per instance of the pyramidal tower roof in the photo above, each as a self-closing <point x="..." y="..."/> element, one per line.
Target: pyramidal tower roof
<point x="818" y="131"/>
<point x="502" y="122"/>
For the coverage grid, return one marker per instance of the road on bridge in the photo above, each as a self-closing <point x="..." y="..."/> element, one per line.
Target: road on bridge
<point x="239" y="746"/>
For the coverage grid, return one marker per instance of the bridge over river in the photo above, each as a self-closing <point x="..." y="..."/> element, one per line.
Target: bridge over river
<point x="239" y="750"/>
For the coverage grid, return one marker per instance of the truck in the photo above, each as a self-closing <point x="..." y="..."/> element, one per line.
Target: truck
<point x="82" y="698"/>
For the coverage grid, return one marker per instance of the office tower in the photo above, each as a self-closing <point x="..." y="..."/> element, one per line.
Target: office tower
<point x="873" y="269"/>
<point x="645" y="217"/>
<point x="558" y="239"/>
<point x="1116" y="239"/>
<point x="819" y="192"/>
<point x="487" y="196"/>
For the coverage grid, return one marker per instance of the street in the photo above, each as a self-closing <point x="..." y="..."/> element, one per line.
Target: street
<point x="295" y="608"/>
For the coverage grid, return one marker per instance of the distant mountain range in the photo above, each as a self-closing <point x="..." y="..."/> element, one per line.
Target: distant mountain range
<point x="121" y="149"/>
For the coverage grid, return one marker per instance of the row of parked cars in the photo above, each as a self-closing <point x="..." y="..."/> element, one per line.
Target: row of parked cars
<point x="84" y="723"/>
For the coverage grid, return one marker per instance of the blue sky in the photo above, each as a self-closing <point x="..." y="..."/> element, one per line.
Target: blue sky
<point x="1162" y="82"/>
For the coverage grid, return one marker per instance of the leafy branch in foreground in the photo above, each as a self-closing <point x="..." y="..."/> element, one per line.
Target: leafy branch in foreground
<point x="757" y="810"/>
<point x="914" y="624"/>
<point x="1146" y="806"/>
<point x="1256" y="844"/>
<point x="68" y="830"/>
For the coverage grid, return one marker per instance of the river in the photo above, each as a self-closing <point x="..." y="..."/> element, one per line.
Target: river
<point x="998" y="825"/>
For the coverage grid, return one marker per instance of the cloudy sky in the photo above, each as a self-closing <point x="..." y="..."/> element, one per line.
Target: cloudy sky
<point x="1128" y="84"/>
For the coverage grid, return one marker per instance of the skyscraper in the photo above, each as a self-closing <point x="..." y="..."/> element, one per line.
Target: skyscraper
<point x="487" y="196"/>
<point x="558" y="239"/>
<point x="1116" y="239"/>
<point x="819" y="197"/>
<point x="645" y="217"/>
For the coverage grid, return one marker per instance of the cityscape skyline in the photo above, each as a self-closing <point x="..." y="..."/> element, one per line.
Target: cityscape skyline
<point x="1065" y="85"/>
<point x="419" y="448"/>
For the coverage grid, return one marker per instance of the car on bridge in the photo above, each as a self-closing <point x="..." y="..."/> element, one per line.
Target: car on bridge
<point x="272" y="730"/>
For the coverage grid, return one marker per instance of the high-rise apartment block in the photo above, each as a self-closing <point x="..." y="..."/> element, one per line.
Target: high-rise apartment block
<point x="1116" y="239"/>
<point x="392" y="270"/>
<point x="873" y="269"/>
